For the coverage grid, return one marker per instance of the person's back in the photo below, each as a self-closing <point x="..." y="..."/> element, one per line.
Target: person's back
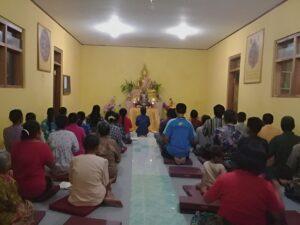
<point x="77" y="130"/>
<point x="28" y="161"/>
<point x="142" y="123"/>
<point x="211" y="125"/>
<point x="180" y="134"/>
<point x="281" y="146"/>
<point x="88" y="176"/>
<point x="268" y="131"/>
<point x="293" y="161"/>
<point x="12" y="134"/>
<point x="108" y="149"/>
<point x="245" y="199"/>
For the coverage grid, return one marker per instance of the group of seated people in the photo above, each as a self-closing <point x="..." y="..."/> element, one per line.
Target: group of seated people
<point x="84" y="151"/>
<point x="244" y="162"/>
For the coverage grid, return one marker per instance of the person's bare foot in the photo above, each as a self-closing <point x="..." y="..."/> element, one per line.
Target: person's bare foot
<point x="180" y="161"/>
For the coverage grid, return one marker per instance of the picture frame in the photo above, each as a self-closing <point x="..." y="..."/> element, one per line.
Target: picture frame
<point x="254" y="57"/>
<point x="44" y="48"/>
<point x="66" y="85"/>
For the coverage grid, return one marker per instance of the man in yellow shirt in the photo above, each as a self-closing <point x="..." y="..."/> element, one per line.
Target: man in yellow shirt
<point x="268" y="131"/>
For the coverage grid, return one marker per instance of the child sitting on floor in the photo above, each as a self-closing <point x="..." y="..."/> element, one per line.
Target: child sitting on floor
<point x="14" y="210"/>
<point x="212" y="168"/>
<point x="88" y="176"/>
<point x="142" y="123"/>
<point x="109" y="150"/>
<point x="194" y="119"/>
<point x="178" y="135"/>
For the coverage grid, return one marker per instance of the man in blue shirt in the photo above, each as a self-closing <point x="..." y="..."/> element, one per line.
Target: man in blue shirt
<point x="179" y="135"/>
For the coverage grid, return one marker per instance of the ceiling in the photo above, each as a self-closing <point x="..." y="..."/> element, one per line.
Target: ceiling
<point x="216" y="19"/>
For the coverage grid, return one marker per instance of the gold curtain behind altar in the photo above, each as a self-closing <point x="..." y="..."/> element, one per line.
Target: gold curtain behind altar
<point x="153" y="114"/>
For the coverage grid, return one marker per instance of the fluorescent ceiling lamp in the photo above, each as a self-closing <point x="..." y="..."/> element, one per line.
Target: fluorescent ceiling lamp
<point x="114" y="27"/>
<point x="182" y="30"/>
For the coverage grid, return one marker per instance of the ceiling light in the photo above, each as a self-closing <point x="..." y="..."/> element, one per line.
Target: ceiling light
<point x="182" y="30"/>
<point x="114" y="27"/>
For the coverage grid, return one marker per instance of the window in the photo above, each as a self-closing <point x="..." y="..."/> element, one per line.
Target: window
<point x="287" y="67"/>
<point x="11" y="54"/>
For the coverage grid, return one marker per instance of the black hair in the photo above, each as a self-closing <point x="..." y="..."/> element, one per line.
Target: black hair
<point x="95" y="116"/>
<point x="63" y="111"/>
<point x="268" y="118"/>
<point x="250" y="156"/>
<point x="50" y="117"/>
<point x="171" y="113"/>
<point x="204" y="118"/>
<point x="181" y="108"/>
<point x="16" y="116"/>
<point x="103" y="129"/>
<point x="287" y="124"/>
<point x="111" y="117"/>
<point x="81" y="117"/>
<point x="61" y="122"/>
<point x="72" y="118"/>
<point x="91" y="143"/>
<point x="194" y="114"/>
<point x="241" y="117"/>
<point x="30" y="116"/>
<point x="215" y="151"/>
<point x="30" y="130"/>
<point x="219" y="110"/>
<point x="143" y="111"/>
<point x="230" y="116"/>
<point x="123" y="113"/>
<point x="254" y="125"/>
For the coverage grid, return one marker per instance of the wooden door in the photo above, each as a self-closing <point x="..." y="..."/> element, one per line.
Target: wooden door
<point x="57" y="79"/>
<point x="233" y="83"/>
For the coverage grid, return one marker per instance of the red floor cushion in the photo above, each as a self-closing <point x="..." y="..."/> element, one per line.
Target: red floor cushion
<point x="292" y="217"/>
<point x="38" y="216"/>
<point x="191" y="204"/>
<point x="63" y="205"/>
<point x="74" y="220"/>
<point x="188" y="162"/>
<point x="191" y="190"/>
<point x="185" y="172"/>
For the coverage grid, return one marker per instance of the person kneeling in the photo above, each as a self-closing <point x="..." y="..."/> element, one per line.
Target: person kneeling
<point x="88" y="176"/>
<point x="179" y="135"/>
<point x="212" y="168"/>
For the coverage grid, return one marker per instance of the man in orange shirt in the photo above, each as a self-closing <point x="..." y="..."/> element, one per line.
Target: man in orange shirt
<point x="268" y="131"/>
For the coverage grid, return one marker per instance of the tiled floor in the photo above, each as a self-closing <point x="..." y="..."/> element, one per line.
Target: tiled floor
<point x="149" y="195"/>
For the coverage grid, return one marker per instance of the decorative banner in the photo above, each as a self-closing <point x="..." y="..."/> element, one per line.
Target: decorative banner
<point x="44" y="49"/>
<point x="254" y="56"/>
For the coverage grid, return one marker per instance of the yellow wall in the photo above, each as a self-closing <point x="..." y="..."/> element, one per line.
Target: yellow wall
<point x="182" y="73"/>
<point x="36" y="96"/>
<point x="256" y="99"/>
<point x="198" y="78"/>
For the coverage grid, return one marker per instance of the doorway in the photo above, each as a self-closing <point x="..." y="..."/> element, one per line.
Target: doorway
<point x="233" y="82"/>
<point x="57" y="79"/>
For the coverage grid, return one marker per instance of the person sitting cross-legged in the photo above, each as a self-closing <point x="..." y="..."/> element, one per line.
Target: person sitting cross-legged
<point x="246" y="198"/>
<point x="178" y="135"/>
<point x="108" y="149"/>
<point x="268" y="131"/>
<point x="88" y="175"/>
<point x="142" y="123"/>
<point x="29" y="158"/>
<point x="13" y="209"/>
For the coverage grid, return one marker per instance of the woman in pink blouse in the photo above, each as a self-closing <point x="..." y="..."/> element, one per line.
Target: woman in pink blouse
<point x="77" y="130"/>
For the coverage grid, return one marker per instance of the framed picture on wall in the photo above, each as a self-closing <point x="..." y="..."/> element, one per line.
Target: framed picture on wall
<point x="254" y="57"/>
<point x="44" y="48"/>
<point x="66" y="85"/>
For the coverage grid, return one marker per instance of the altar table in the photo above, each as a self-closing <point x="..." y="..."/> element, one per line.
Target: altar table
<point x="153" y="114"/>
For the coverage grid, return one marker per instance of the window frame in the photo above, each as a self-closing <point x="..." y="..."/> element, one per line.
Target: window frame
<point x="295" y="58"/>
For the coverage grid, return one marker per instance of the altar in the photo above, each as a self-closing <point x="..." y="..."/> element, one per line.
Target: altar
<point x="153" y="114"/>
